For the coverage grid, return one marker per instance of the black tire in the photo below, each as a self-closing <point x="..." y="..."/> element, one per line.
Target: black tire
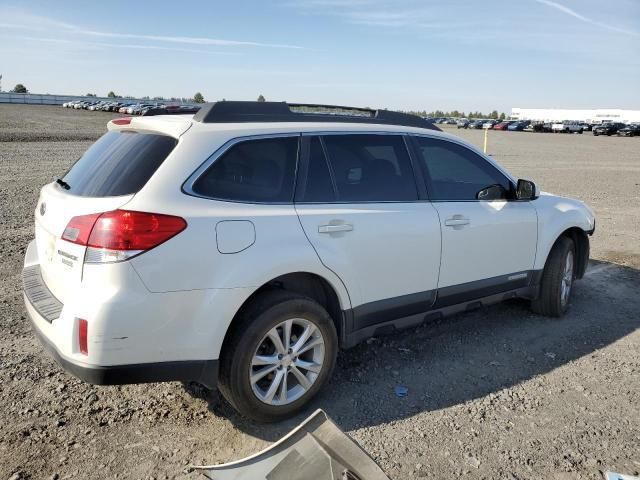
<point x="550" y="301"/>
<point x="595" y="134"/>
<point x="264" y="313"/>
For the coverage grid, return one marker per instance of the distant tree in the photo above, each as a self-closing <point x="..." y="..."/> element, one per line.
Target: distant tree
<point x="112" y="94"/>
<point x="261" y="98"/>
<point x="494" y="115"/>
<point x="502" y="116"/>
<point x="90" y="95"/>
<point x="146" y="97"/>
<point x="198" y="98"/>
<point x="158" y="98"/>
<point x="20" y="88"/>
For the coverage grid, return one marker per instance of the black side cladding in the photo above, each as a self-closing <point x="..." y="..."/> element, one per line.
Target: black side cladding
<point x="244" y="112"/>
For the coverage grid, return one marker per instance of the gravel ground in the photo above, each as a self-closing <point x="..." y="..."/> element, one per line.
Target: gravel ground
<point x="495" y="394"/>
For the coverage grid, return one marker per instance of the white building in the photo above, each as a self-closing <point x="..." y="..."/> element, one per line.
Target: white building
<point x="598" y="115"/>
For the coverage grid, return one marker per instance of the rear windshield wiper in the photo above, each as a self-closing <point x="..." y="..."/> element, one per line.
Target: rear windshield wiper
<point x="62" y="183"/>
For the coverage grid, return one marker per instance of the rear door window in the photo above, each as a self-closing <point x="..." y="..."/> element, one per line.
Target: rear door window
<point x="317" y="184"/>
<point x="371" y="168"/>
<point x="119" y="163"/>
<point x="254" y="171"/>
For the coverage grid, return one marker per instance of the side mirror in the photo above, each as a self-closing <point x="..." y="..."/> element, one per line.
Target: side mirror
<point x="526" y="190"/>
<point x="492" y="192"/>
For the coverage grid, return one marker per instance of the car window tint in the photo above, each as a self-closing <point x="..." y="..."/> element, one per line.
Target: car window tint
<point x="253" y="171"/>
<point x="456" y="172"/>
<point x="372" y="168"/>
<point x="318" y="186"/>
<point x="119" y="163"/>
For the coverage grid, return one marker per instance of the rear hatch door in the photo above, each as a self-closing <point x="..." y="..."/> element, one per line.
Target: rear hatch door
<point x="61" y="261"/>
<point x="105" y="178"/>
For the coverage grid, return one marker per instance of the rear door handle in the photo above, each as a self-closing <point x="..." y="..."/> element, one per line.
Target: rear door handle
<point x="456" y="221"/>
<point x="343" y="227"/>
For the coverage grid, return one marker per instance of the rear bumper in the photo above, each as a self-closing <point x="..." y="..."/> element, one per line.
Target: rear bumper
<point x="141" y="352"/>
<point x="202" y="371"/>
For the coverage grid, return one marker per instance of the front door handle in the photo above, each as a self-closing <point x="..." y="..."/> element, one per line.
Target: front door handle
<point x="343" y="227"/>
<point x="456" y="221"/>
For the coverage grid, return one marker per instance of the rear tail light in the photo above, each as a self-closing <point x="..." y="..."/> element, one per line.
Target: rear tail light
<point x="83" y="328"/>
<point x="79" y="228"/>
<point x="121" y="234"/>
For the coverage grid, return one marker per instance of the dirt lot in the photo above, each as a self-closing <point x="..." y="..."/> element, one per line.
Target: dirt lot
<point x="495" y="394"/>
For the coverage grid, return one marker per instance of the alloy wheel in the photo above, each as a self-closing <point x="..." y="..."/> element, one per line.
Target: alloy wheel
<point x="287" y="362"/>
<point x="567" y="279"/>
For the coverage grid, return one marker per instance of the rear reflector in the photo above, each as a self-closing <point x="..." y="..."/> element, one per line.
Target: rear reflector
<point x="121" y="234"/>
<point x="83" y="328"/>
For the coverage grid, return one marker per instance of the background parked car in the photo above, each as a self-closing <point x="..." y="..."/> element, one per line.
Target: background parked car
<point x="568" y="126"/>
<point x="463" y="123"/>
<point x="476" y="124"/>
<point x="608" y="129"/>
<point x="558" y="127"/>
<point x="502" y="125"/>
<point x="489" y="124"/>
<point x="518" y="126"/>
<point x="632" y="130"/>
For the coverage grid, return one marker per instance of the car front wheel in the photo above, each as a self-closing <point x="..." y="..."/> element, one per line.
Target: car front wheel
<point x="280" y="353"/>
<point x="557" y="280"/>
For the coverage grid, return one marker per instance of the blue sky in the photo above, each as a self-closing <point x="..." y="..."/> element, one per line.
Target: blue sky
<point x="403" y="54"/>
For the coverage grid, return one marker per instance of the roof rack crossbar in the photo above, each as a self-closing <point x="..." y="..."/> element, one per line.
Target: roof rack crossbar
<point x="243" y="112"/>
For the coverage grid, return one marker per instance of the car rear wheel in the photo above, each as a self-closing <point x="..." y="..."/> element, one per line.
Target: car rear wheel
<point x="557" y="280"/>
<point x="278" y="356"/>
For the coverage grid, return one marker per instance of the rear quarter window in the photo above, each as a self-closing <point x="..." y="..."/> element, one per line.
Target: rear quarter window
<point x="119" y="163"/>
<point x="253" y="171"/>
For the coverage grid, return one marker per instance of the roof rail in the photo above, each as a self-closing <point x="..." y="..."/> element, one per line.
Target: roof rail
<point x="242" y="112"/>
<point x="178" y="110"/>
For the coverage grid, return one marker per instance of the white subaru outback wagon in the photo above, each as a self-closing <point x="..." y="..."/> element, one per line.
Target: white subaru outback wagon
<point x="242" y="246"/>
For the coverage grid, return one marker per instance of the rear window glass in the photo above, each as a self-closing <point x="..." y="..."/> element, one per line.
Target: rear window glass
<point x="253" y="171"/>
<point x="119" y="163"/>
